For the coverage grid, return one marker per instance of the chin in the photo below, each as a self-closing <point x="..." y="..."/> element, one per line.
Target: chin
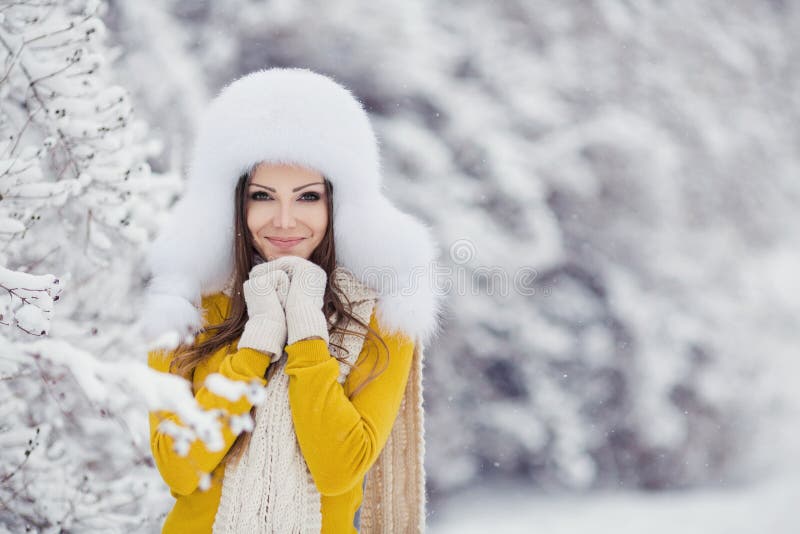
<point x="280" y="253"/>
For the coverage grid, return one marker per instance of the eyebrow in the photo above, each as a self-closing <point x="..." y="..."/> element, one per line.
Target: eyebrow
<point x="293" y="190"/>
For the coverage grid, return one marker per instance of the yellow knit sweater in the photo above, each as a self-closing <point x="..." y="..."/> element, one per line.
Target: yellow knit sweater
<point x="340" y="439"/>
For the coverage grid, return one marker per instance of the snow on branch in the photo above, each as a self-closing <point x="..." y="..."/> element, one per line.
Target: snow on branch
<point x="26" y="300"/>
<point x="157" y="391"/>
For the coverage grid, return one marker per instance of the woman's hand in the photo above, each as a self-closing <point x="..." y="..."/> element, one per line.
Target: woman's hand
<point x="304" y="316"/>
<point x="265" y="293"/>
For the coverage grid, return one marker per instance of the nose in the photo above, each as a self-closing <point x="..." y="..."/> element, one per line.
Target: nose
<point x="284" y="218"/>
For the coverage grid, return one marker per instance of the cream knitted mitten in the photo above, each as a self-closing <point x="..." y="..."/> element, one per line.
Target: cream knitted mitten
<point x="304" y="315"/>
<point x="265" y="293"/>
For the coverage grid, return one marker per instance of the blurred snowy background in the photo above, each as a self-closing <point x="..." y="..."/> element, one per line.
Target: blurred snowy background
<point x="615" y="188"/>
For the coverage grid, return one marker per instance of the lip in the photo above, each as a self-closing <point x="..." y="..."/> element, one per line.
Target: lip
<point x="285" y="243"/>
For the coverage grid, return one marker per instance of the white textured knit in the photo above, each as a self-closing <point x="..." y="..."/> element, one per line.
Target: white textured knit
<point x="270" y="490"/>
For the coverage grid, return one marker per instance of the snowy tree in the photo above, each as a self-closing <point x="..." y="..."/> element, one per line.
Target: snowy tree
<point x="77" y="204"/>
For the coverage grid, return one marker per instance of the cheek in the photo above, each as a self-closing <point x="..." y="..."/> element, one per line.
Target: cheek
<point x="251" y="223"/>
<point x="256" y="219"/>
<point x="321" y="221"/>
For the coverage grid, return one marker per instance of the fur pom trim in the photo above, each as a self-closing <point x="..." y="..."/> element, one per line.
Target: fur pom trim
<point x="293" y="116"/>
<point x="393" y="254"/>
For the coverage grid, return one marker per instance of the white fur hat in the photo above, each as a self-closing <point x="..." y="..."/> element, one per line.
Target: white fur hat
<point x="290" y="115"/>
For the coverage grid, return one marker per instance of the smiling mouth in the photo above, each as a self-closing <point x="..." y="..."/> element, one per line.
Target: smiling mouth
<point x="284" y="243"/>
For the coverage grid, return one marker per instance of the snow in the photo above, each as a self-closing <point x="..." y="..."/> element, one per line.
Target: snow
<point x="233" y="390"/>
<point x="767" y="506"/>
<point x="11" y="226"/>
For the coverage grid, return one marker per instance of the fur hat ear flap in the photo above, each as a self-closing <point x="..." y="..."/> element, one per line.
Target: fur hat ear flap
<point x="395" y="255"/>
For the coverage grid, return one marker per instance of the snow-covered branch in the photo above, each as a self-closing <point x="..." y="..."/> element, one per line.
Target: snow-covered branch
<point x="26" y="300"/>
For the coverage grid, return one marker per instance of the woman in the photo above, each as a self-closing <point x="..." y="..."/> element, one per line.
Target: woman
<point x="311" y="283"/>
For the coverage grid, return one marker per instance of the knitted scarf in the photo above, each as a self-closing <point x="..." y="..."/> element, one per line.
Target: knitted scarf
<point x="270" y="489"/>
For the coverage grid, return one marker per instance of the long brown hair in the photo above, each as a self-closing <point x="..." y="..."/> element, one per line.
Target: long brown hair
<point x="213" y="337"/>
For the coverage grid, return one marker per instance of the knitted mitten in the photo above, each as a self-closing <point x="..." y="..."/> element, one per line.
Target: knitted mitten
<point x="304" y="315"/>
<point x="265" y="294"/>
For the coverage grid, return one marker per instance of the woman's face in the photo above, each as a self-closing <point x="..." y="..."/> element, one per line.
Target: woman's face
<point x="287" y="212"/>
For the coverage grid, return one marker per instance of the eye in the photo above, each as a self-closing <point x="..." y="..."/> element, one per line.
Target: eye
<point x="255" y="195"/>
<point x="311" y="196"/>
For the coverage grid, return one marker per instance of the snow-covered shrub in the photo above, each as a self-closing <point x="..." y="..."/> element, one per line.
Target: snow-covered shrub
<point x="77" y="203"/>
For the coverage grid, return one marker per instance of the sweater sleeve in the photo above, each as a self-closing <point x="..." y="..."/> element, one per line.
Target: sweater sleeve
<point x="341" y="439"/>
<point x="182" y="473"/>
